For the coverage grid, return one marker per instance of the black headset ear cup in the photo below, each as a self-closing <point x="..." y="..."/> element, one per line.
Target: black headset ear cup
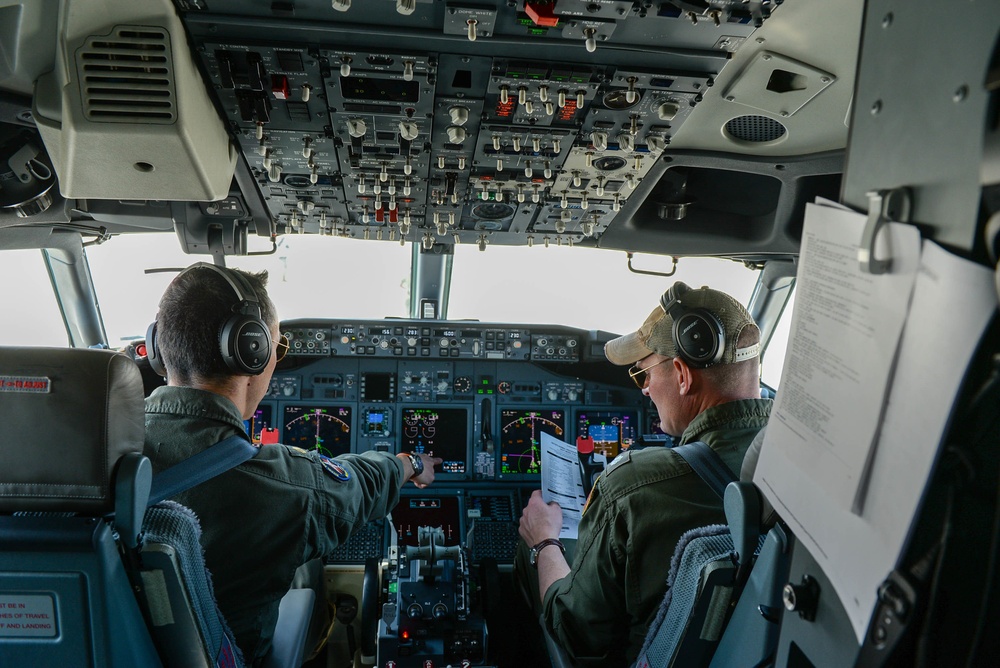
<point x="245" y="344"/>
<point x="699" y="337"/>
<point x="152" y="353"/>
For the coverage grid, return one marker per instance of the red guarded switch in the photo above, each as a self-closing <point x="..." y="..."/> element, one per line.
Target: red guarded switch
<point x="542" y="13"/>
<point x="279" y="87"/>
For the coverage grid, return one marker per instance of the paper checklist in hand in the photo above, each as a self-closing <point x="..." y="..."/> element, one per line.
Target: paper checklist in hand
<point x="562" y="482"/>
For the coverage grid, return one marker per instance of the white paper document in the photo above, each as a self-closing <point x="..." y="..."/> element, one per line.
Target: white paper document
<point x="562" y="482"/>
<point x="852" y="503"/>
<point x="843" y="340"/>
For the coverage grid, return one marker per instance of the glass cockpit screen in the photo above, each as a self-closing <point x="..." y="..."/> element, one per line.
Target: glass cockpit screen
<point x="612" y="431"/>
<point x="440" y="432"/>
<point x="324" y="429"/>
<point x="521" y="438"/>
<point x="414" y="512"/>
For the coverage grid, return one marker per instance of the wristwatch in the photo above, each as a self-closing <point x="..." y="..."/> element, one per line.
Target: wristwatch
<point x="540" y="546"/>
<point x="417" y="463"/>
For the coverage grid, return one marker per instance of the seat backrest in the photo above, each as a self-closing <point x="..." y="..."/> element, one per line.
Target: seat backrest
<point x="694" y="609"/>
<point x="723" y="599"/>
<point x="73" y="437"/>
<point x="177" y="595"/>
<point x="73" y="492"/>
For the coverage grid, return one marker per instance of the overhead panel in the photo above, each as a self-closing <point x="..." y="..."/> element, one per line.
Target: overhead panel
<point x="471" y="122"/>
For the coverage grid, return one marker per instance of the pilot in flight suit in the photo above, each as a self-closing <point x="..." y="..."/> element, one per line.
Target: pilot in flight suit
<point x="599" y="609"/>
<point x="275" y="512"/>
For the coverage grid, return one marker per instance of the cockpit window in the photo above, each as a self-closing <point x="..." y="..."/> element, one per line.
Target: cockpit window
<point x="309" y="276"/>
<point x="30" y="312"/>
<point x="774" y="357"/>
<point x="580" y="287"/>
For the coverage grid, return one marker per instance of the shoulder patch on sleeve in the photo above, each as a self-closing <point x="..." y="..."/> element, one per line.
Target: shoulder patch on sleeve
<point x="620" y="460"/>
<point x="335" y="469"/>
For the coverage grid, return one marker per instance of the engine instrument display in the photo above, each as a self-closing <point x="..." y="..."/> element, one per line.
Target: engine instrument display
<point x="439" y="432"/>
<point x="521" y="438"/>
<point x="324" y="429"/>
<point x="413" y="512"/>
<point x="611" y="431"/>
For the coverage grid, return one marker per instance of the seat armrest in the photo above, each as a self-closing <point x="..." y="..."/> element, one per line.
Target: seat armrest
<point x="557" y="655"/>
<point x="289" y="644"/>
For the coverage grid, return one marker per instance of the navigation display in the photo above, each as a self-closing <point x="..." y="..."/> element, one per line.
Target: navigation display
<point x="611" y="431"/>
<point x="427" y="511"/>
<point x="521" y="438"/>
<point x="324" y="429"/>
<point x="439" y="432"/>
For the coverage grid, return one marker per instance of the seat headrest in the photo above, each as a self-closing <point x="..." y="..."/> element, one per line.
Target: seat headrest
<point x="68" y="416"/>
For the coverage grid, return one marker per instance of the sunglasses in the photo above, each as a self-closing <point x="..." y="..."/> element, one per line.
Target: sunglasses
<point x="640" y="376"/>
<point x="282" y="348"/>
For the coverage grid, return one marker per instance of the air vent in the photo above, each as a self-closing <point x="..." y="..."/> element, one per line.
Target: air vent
<point x="127" y="76"/>
<point x="755" y="129"/>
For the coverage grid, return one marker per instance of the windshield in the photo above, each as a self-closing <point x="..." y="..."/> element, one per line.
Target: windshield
<point x="30" y="312"/>
<point x="581" y="287"/>
<point x="332" y="277"/>
<point x="315" y="277"/>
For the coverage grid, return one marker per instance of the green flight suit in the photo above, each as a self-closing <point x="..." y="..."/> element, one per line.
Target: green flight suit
<point x="637" y="511"/>
<point x="268" y="516"/>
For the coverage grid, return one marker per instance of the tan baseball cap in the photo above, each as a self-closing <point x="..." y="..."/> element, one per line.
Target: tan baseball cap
<point x="656" y="334"/>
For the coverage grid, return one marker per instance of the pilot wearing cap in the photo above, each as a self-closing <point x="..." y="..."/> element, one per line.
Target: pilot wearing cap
<point x="697" y="358"/>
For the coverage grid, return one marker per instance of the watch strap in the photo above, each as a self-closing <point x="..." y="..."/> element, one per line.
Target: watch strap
<point x="542" y="545"/>
<point x="417" y="463"/>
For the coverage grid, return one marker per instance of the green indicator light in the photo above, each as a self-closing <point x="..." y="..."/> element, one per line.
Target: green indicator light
<point x="393" y="587"/>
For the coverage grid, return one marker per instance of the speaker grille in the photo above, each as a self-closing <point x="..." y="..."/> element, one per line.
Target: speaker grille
<point x="127" y="76"/>
<point x="755" y="129"/>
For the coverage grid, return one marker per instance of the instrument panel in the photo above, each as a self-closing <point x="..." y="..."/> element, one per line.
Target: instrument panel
<point x="478" y="395"/>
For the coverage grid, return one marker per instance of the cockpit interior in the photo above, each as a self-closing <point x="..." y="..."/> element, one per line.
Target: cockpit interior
<point x="446" y="179"/>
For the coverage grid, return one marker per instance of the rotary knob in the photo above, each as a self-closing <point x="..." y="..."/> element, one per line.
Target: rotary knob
<point x="356" y="127"/>
<point x="459" y="115"/>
